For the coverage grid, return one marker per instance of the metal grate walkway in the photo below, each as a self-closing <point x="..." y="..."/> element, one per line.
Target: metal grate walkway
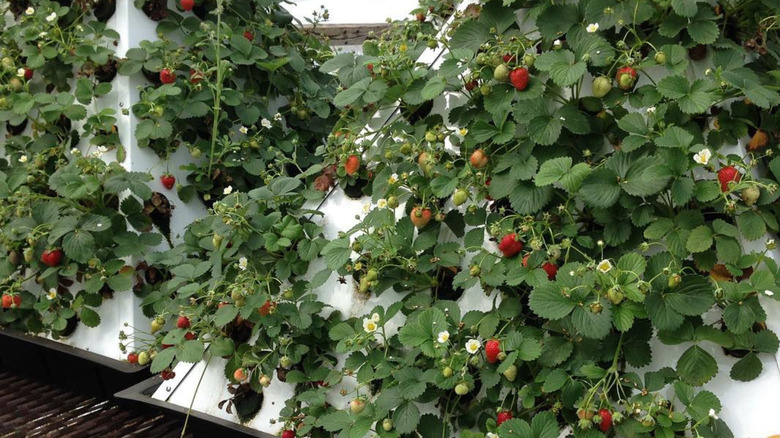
<point x="31" y="409"/>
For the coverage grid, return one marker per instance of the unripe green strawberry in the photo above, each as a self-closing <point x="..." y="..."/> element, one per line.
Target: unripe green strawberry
<point x="430" y="137"/>
<point x="143" y="358"/>
<point x="501" y="73"/>
<point x="387" y="425"/>
<point x="529" y="59"/>
<point x="392" y="202"/>
<point x="660" y="58"/>
<point x="596" y="308"/>
<point x="285" y="362"/>
<point x="28" y="254"/>
<point x="674" y="280"/>
<point x="447" y="372"/>
<point x="485" y="90"/>
<point x="601" y="86"/>
<point x="461" y="388"/>
<point x="474" y="271"/>
<point x="750" y="195"/>
<point x="460" y="197"/>
<point x="216" y="240"/>
<point x="357" y="406"/>
<point x="615" y="295"/>
<point x="511" y="373"/>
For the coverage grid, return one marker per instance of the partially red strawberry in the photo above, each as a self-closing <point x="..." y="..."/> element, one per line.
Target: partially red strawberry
<point x="183" y="322"/>
<point x="606" y="420"/>
<point x="509" y="58"/>
<point x="165" y="346"/>
<point x="288" y="434"/>
<point x="471" y="85"/>
<point x="28" y="73"/>
<point x="190" y="336"/>
<point x="726" y="175"/>
<point x="51" y="257"/>
<point x="492" y="350"/>
<point x="479" y="159"/>
<point x="352" y="165"/>
<point x="420" y="217"/>
<point x="168" y="180"/>
<point x="420" y="17"/>
<point x="551" y="270"/>
<point x="487" y="185"/>
<point x="132" y="358"/>
<point x="370" y="68"/>
<point x="519" y="78"/>
<point x="249" y="35"/>
<point x="265" y="309"/>
<point x="503" y="416"/>
<point x="167" y="76"/>
<point x="195" y="76"/>
<point x="240" y="375"/>
<point x="11" y="301"/>
<point x="187" y="5"/>
<point x="525" y="260"/>
<point x="510" y="246"/>
<point x="626" y="77"/>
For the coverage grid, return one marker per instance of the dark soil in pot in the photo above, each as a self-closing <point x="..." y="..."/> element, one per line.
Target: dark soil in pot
<point x="247" y="404"/>
<point x="157" y="10"/>
<point x="106" y="72"/>
<point x="104" y="9"/>
<point x="355" y="191"/>
<point x="151" y="76"/>
<point x="446" y="290"/>
<point x="202" y="10"/>
<point x="416" y="113"/>
<point x="71" y="325"/>
<point x="239" y="332"/>
<point x="16" y="129"/>
<point x="18" y="7"/>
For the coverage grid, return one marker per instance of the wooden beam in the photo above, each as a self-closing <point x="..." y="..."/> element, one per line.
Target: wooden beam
<point x="346" y="34"/>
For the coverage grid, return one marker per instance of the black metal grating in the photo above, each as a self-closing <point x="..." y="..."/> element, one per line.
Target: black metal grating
<point x="31" y="409"/>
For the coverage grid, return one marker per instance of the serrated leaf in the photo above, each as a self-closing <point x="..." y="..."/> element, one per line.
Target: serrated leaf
<point x="700" y="239"/>
<point x="696" y="366"/>
<point x="548" y="302"/>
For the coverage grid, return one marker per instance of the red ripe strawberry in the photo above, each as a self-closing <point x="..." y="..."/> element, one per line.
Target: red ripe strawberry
<point x="479" y="159"/>
<point x="167" y="76"/>
<point x="28" y="73"/>
<point x="265" y="309"/>
<point x="132" y="358"/>
<point x="626" y="77"/>
<point x="370" y="68"/>
<point x="187" y="5"/>
<point x="551" y="270"/>
<point x="288" y="434"/>
<point x="183" y="322"/>
<point x="509" y="58"/>
<point x="11" y="301"/>
<point x="487" y="185"/>
<point x="420" y="17"/>
<point x="51" y="257"/>
<point x="168" y="180"/>
<point x="471" y="85"/>
<point x="519" y="78"/>
<point x="510" y="246"/>
<point x="164" y="346"/>
<point x="167" y="374"/>
<point x="249" y="35"/>
<point x="726" y="175"/>
<point x="503" y="416"/>
<point x="195" y="76"/>
<point x="492" y="349"/>
<point x="606" y="420"/>
<point x="420" y="217"/>
<point x="352" y="165"/>
<point x="189" y="336"/>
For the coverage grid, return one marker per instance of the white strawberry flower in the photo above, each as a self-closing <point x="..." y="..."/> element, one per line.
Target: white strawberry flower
<point x="393" y="178"/>
<point x="266" y="123"/>
<point x="712" y="414"/>
<point x="604" y="266"/>
<point x="278" y="117"/>
<point x="242" y="263"/>
<point x="443" y="337"/>
<point x="52" y="295"/>
<point x="369" y="325"/>
<point x="592" y="27"/>
<point x="376" y="318"/>
<point x="20" y="72"/>
<point x="472" y="346"/>
<point x="29" y="11"/>
<point x="491" y="435"/>
<point x="227" y="190"/>
<point x="651" y="110"/>
<point x="382" y="203"/>
<point x="769" y="293"/>
<point x="23" y="159"/>
<point x="703" y="156"/>
<point x="244" y="130"/>
<point x="75" y="151"/>
<point x="51" y="17"/>
<point x="557" y="44"/>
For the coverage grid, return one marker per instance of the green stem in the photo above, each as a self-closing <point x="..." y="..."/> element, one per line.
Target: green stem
<point x="217" y="93"/>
